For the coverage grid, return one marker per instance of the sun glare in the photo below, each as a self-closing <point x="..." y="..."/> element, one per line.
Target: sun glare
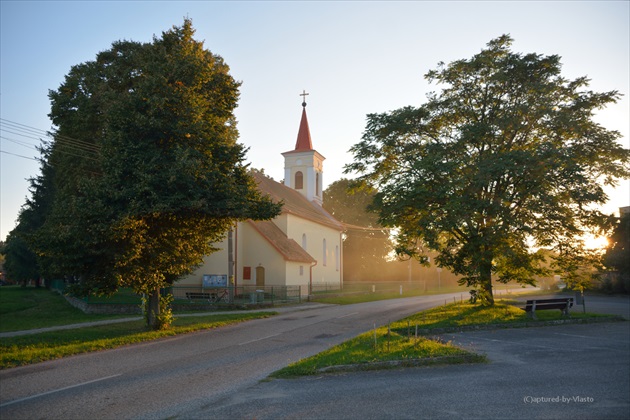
<point x="595" y="242"/>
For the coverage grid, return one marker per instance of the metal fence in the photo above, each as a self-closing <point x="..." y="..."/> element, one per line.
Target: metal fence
<point x="320" y="287"/>
<point x="241" y="295"/>
<point x="183" y="295"/>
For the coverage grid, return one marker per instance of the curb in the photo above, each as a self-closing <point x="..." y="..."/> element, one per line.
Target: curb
<point x="466" y="328"/>
<point x="392" y="364"/>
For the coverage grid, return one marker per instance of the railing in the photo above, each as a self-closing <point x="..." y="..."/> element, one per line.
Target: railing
<point x="318" y="287"/>
<point x="241" y="295"/>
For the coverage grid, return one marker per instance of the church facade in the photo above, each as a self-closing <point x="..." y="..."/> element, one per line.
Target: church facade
<point x="300" y="247"/>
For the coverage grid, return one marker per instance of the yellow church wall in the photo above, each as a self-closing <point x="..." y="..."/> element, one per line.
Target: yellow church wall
<point x="215" y="263"/>
<point x="296" y="276"/>
<point x="330" y="272"/>
<point x="254" y="251"/>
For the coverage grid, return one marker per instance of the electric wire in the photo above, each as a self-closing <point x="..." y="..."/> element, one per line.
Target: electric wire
<point x="37" y="134"/>
<point x="15" y="154"/>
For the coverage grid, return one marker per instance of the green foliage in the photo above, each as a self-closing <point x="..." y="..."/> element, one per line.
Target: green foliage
<point x="163" y="316"/>
<point x="146" y="169"/>
<point x="20" y="262"/>
<point x="577" y="266"/>
<point x="506" y="156"/>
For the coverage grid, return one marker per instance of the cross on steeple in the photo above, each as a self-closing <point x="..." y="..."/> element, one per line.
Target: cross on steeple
<point x="303" y="95"/>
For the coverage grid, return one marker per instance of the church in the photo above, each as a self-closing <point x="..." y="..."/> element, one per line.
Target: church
<point x="300" y="247"/>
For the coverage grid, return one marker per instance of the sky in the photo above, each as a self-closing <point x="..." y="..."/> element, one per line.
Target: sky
<point x="352" y="57"/>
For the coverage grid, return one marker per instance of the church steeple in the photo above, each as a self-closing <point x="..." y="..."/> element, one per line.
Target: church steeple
<point x="304" y="134"/>
<point x="303" y="166"/>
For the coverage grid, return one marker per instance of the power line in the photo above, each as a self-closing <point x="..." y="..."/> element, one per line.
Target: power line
<point x="15" y="154"/>
<point x="364" y="228"/>
<point x="37" y="134"/>
<point x="21" y="143"/>
<point x="73" y="147"/>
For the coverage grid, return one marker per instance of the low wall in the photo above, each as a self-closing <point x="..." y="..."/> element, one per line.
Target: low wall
<point x="103" y="308"/>
<point x="123" y="309"/>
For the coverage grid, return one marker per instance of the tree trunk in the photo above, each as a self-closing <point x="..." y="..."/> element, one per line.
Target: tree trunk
<point x="153" y="309"/>
<point x="485" y="292"/>
<point x="487" y="298"/>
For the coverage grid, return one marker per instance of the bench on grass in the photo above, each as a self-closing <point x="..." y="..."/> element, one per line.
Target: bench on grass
<point x="542" y="304"/>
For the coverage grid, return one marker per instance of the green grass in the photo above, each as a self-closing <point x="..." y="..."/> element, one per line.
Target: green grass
<point x="22" y="350"/>
<point x="398" y="342"/>
<point x="370" y="350"/>
<point x="351" y="298"/>
<point x="465" y="314"/>
<point x="25" y="308"/>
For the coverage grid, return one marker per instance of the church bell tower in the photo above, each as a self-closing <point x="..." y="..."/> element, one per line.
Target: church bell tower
<point x="303" y="166"/>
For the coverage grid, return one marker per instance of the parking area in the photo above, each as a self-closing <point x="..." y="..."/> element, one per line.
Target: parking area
<point x="579" y="371"/>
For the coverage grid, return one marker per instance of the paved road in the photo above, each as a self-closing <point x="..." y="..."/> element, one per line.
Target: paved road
<point x="181" y="374"/>
<point x="216" y="374"/>
<point x="561" y="372"/>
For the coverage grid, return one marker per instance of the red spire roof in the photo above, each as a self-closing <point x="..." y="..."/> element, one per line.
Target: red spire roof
<point x="304" y="135"/>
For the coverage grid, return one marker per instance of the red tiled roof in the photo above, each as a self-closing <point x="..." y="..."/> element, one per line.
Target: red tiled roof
<point x="288" y="248"/>
<point x="294" y="202"/>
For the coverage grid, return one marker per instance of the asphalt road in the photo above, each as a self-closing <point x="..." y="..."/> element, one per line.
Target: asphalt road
<point x="181" y="374"/>
<point x="561" y="372"/>
<point x="569" y="371"/>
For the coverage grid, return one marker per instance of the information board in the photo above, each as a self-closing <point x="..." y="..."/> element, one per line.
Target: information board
<point x="215" y="280"/>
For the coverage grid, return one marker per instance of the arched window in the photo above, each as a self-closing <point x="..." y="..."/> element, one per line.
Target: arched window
<point x="304" y="240"/>
<point x="299" y="180"/>
<point x="324" y="252"/>
<point x="317" y="185"/>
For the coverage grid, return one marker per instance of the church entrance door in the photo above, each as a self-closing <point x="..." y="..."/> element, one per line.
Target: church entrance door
<point x="260" y="276"/>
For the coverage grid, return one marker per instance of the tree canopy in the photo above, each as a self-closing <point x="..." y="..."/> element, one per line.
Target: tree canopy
<point x="146" y="167"/>
<point x="506" y="158"/>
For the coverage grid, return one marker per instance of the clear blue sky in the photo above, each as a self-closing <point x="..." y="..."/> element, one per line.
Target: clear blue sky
<point x="354" y="58"/>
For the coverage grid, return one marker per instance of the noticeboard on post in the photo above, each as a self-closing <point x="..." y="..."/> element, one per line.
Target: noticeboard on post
<point x="215" y="280"/>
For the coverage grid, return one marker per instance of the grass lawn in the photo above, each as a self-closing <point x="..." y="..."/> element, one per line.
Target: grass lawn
<point x="371" y="349"/>
<point x="398" y="341"/>
<point x="25" y="308"/>
<point x="22" y="350"/>
<point x="351" y="298"/>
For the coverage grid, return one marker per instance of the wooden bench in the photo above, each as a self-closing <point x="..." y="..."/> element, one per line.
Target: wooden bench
<point x="542" y="304"/>
<point x="216" y="296"/>
<point x="198" y="296"/>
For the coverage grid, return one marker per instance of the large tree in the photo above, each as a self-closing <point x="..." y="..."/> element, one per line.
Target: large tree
<point x="505" y="158"/>
<point x="22" y="263"/>
<point x="148" y="171"/>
